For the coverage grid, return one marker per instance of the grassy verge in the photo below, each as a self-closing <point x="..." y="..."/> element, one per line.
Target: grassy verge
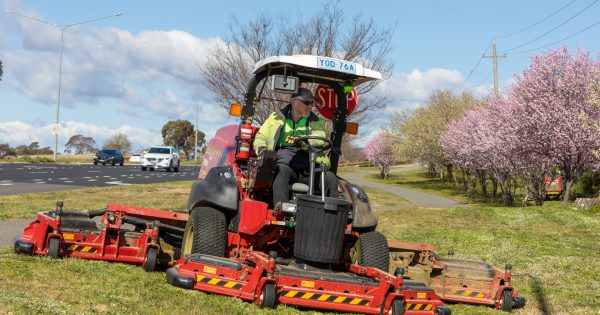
<point x="379" y="198"/>
<point x="554" y="251"/>
<point x="172" y="195"/>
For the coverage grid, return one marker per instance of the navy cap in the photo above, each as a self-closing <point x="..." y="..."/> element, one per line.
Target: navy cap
<point x="304" y="94"/>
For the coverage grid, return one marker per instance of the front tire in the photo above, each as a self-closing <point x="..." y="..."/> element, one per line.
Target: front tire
<point x="268" y="297"/>
<point x="371" y="250"/>
<point x="397" y="307"/>
<point x="53" y="248"/>
<point x="506" y="301"/>
<point x="205" y="232"/>
<point x="150" y="261"/>
<point x="176" y="169"/>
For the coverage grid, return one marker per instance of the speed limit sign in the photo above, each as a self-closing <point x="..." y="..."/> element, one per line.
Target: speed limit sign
<point x="55" y="128"/>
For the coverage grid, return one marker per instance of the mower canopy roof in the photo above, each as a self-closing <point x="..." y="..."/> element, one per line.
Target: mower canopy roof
<point x="309" y="66"/>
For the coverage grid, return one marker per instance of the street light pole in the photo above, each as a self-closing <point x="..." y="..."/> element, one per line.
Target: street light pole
<point x="62" y="35"/>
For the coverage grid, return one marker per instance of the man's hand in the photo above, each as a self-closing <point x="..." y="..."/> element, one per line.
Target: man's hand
<point x="268" y="154"/>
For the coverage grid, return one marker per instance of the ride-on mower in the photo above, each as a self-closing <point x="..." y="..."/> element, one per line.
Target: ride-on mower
<point x="313" y="251"/>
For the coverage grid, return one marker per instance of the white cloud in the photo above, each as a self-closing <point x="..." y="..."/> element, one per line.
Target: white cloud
<point x="17" y="133"/>
<point x="140" y="69"/>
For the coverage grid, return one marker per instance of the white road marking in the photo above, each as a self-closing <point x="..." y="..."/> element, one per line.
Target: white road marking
<point x="91" y="180"/>
<point x="67" y="181"/>
<point x="118" y="182"/>
<point x="63" y="178"/>
<point x="6" y="184"/>
<point x="38" y="172"/>
<point x="94" y="171"/>
<point x="39" y="182"/>
<point x="86" y="177"/>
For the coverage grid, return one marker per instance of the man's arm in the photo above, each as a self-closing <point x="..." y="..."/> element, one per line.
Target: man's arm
<point x="261" y="140"/>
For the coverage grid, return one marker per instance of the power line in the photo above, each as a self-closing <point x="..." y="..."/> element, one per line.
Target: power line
<point x="486" y="77"/>
<point x="478" y="62"/>
<point x="553" y="29"/>
<point x="556" y="42"/>
<point x="536" y="23"/>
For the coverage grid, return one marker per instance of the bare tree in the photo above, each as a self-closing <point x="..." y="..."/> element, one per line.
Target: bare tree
<point x="228" y="68"/>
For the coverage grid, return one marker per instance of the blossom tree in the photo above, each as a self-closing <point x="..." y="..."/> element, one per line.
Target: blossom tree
<point x="379" y="150"/>
<point x="554" y="102"/>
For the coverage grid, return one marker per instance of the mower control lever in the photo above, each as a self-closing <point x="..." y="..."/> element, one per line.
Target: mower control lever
<point x="303" y="142"/>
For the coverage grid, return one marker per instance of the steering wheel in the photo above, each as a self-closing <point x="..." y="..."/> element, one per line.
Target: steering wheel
<point x="303" y="141"/>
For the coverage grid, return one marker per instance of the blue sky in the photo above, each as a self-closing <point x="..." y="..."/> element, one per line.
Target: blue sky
<point x="135" y="72"/>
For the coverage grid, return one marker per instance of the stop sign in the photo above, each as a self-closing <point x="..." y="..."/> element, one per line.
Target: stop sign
<point x="327" y="100"/>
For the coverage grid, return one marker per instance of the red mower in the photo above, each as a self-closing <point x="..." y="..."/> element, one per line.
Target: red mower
<point x="123" y="234"/>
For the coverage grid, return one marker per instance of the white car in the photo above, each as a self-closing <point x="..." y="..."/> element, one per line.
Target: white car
<point x="160" y="157"/>
<point x="135" y="158"/>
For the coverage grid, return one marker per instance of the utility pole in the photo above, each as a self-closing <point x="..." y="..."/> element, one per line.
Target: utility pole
<point x="495" y="57"/>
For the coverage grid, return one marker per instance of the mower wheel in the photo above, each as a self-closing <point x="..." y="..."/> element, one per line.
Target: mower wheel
<point x="205" y="232"/>
<point x="371" y="250"/>
<point x="506" y="301"/>
<point x="397" y="307"/>
<point x="268" y="297"/>
<point x="150" y="261"/>
<point x="53" y="247"/>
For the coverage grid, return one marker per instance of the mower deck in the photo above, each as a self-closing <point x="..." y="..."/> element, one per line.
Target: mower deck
<point x="263" y="280"/>
<point x="123" y="234"/>
<point x="456" y="280"/>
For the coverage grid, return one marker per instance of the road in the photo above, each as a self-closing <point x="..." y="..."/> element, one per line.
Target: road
<point x="18" y="178"/>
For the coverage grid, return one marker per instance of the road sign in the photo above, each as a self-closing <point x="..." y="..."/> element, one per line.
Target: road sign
<point x="327" y="100"/>
<point x="55" y="129"/>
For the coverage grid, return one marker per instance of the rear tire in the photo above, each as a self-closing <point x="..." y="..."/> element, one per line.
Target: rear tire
<point x="268" y="297"/>
<point x="170" y="167"/>
<point x="53" y="248"/>
<point x="205" y="232"/>
<point x="506" y="302"/>
<point x="121" y="164"/>
<point x="150" y="261"/>
<point x="143" y="168"/>
<point x="95" y="163"/>
<point x="371" y="250"/>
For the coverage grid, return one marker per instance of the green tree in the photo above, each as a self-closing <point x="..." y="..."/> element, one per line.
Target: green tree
<point x="79" y="144"/>
<point x="176" y="133"/>
<point x="6" y="150"/>
<point x="118" y="141"/>
<point x="191" y="143"/>
<point x="418" y="132"/>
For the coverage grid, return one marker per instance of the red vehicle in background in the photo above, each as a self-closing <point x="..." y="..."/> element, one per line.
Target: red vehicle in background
<point x="553" y="186"/>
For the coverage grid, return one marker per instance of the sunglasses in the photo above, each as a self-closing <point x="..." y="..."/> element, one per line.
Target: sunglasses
<point x="305" y="102"/>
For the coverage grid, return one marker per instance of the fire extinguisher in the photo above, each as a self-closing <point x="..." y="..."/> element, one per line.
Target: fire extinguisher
<point x="245" y="141"/>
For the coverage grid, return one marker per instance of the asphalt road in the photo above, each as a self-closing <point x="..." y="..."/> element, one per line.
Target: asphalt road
<point x="20" y="178"/>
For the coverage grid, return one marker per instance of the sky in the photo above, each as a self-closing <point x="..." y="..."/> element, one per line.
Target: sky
<point x="135" y="72"/>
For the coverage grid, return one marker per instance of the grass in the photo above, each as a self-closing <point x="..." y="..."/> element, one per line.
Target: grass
<point x="173" y="196"/>
<point x="380" y="198"/>
<point x="554" y="251"/>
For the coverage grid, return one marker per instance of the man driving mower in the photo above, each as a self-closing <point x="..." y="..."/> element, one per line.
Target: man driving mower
<point x="278" y="134"/>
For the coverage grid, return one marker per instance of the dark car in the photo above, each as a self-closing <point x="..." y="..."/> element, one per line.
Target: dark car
<point x="109" y="156"/>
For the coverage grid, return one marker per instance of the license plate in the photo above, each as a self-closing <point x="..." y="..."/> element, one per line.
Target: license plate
<point x="336" y="65"/>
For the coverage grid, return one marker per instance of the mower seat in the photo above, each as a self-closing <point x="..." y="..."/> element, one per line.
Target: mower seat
<point x="299" y="188"/>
